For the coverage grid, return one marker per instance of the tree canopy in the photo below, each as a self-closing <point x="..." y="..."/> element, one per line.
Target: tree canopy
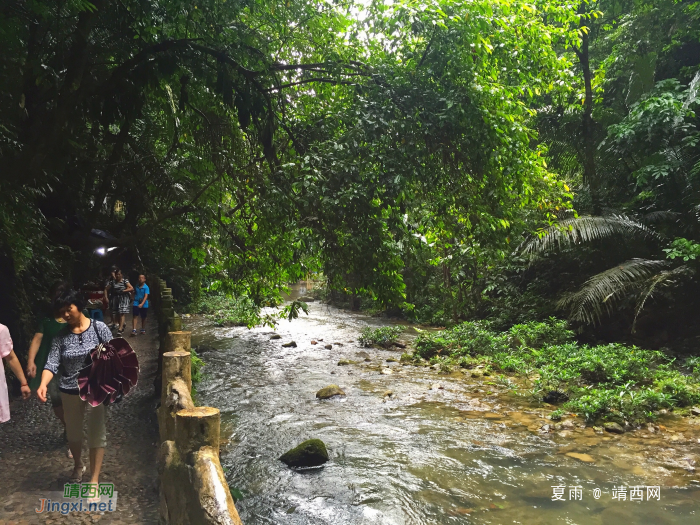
<point x="404" y="149"/>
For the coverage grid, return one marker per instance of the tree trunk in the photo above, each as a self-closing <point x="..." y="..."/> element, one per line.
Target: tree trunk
<point x="587" y="135"/>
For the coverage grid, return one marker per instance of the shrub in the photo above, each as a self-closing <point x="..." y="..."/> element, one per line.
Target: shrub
<point x="384" y="336"/>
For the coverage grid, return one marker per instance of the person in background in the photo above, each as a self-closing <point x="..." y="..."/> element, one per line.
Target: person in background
<point x="120" y="289"/>
<point x="108" y="305"/>
<point x="141" y="304"/>
<point x="48" y="328"/>
<point x="7" y="354"/>
<point x="69" y="350"/>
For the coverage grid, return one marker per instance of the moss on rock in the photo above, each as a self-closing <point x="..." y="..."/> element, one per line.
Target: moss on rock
<point x="310" y="453"/>
<point x="330" y="391"/>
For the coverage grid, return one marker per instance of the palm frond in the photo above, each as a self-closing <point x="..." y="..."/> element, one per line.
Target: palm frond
<point x="663" y="279"/>
<point x="599" y="293"/>
<point x="584" y="229"/>
<point x="660" y="216"/>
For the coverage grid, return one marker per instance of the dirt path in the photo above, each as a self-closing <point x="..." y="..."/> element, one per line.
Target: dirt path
<point x="33" y="455"/>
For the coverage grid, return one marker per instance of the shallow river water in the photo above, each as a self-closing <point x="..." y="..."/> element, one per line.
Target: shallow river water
<point x="442" y="449"/>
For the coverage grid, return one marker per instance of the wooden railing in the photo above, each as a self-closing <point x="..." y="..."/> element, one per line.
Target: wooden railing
<point x="193" y="489"/>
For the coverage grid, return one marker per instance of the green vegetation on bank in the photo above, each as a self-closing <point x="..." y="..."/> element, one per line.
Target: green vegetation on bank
<point x="611" y="382"/>
<point x="196" y="366"/>
<point x="228" y="311"/>
<point x="384" y="336"/>
<point x="243" y="311"/>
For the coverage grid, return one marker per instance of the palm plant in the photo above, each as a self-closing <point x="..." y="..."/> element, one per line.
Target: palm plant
<point x="601" y="293"/>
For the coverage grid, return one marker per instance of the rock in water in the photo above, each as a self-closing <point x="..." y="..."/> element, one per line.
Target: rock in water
<point x="328" y="347"/>
<point x="275" y="336"/>
<point x="554" y="397"/>
<point x="290" y="344"/>
<point x="613" y="427"/>
<point x="343" y="362"/>
<point x="695" y="411"/>
<point x="387" y="371"/>
<point x="310" y="453"/>
<point x="329" y="391"/>
<point x="581" y="457"/>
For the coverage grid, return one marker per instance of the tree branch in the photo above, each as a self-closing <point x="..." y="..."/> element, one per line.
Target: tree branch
<point x="310" y="80"/>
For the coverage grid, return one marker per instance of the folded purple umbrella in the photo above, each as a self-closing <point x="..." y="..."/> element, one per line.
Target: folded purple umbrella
<point x="110" y="372"/>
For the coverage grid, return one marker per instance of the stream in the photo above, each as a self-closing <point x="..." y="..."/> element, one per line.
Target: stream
<point x="441" y="449"/>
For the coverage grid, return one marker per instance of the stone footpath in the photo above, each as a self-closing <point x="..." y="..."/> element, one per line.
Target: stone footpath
<point x="33" y="454"/>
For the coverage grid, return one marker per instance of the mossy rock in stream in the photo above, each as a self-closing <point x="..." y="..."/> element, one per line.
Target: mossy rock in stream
<point x="344" y="362"/>
<point x="310" y="453"/>
<point x="330" y="391"/>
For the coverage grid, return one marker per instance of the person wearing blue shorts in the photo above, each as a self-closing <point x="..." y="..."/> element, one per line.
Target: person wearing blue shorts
<point x="141" y="304"/>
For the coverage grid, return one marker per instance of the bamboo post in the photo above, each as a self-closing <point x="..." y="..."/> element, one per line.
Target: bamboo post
<point x="196" y="428"/>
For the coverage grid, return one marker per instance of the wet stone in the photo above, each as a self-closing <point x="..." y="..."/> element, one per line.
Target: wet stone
<point x="310" y="453"/>
<point x="329" y="391"/>
<point x="581" y="457"/>
<point x="615" y="428"/>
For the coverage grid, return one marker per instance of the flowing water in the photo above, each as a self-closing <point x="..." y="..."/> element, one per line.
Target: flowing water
<point x="442" y="449"/>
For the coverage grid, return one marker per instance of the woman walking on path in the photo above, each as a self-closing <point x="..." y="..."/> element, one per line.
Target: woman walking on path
<point x="70" y="349"/>
<point x="48" y="328"/>
<point x="7" y="354"/>
<point x="121" y="289"/>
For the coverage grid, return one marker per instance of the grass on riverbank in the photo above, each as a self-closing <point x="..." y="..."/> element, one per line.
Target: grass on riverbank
<point x="611" y="382"/>
<point x="228" y="311"/>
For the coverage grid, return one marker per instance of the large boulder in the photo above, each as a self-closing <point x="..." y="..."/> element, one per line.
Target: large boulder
<point x="310" y="453"/>
<point x="329" y="391"/>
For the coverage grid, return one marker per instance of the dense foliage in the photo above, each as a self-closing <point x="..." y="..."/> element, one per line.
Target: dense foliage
<point x="604" y="382"/>
<point x="425" y="156"/>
